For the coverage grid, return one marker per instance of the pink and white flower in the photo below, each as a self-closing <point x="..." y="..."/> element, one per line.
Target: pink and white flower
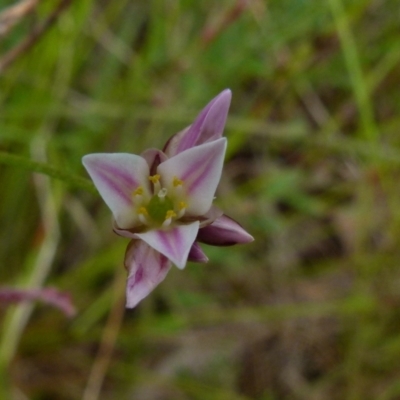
<point x="162" y="200"/>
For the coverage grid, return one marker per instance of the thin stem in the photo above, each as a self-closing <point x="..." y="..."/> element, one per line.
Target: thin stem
<point x="17" y="319"/>
<point x="43" y="168"/>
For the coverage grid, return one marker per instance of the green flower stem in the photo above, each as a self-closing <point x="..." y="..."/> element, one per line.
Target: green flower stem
<point x="43" y="168"/>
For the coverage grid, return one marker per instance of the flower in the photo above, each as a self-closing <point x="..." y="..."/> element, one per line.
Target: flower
<point x="162" y="200"/>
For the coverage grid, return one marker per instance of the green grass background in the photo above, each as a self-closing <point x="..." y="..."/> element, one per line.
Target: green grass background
<point x="310" y="310"/>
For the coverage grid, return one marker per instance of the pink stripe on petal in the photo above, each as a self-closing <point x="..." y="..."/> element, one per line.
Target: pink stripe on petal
<point x="116" y="176"/>
<point x="126" y="178"/>
<point x="200" y="170"/>
<point x="146" y="269"/>
<point x="174" y="243"/>
<point x="209" y="124"/>
<point x="214" y="123"/>
<point x="224" y="231"/>
<point x="167" y="241"/>
<point x="116" y="187"/>
<point x="196" y="254"/>
<point x="198" y="174"/>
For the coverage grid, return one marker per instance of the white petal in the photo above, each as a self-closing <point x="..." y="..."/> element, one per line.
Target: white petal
<point x="200" y="170"/>
<point x="146" y="269"/>
<point x="174" y="243"/>
<point x="116" y="176"/>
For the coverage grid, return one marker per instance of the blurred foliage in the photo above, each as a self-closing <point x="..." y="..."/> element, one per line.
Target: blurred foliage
<point x="310" y="309"/>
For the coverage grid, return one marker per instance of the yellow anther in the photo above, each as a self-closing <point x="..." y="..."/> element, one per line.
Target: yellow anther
<point x="155" y="178"/>
<point x="142" y="215"/>
<point x="170" y="214"/>
<point x="168" y="218"/>
<point x="177" y="182"/>
<point x="142" y="211"/>
<point x="182" y="205"/>
<point x="138" y="191"/>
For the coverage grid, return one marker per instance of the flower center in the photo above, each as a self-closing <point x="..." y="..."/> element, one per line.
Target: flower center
<point x="163" y="207"/>
<point x="159" y="205"/>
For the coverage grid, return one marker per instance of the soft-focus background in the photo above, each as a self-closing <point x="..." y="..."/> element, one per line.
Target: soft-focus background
<point x="311" y="309"/>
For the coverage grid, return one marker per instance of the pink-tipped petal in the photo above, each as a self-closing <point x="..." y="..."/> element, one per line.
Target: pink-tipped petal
<point x="200" y="170"/>
<point x="209" y="125"/>
<point x="214" y="122"/>
<point x="174" y="243"/>
<point x="224" y="231"/>
<point x="196" y="254"/>
<point x="116" y="176"/>
<point x="146" y="269"/>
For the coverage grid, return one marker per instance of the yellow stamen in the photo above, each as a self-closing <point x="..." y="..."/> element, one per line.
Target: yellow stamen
<point x="155" y="178"/>
<point x="142" y="214"/>
<point x="182" y="205"/>
<point x="168" y="218"/>
<point x="138" y="191"/>
<point x="177" y="182"/>
<point x="143" y="211"/>
<point x="170" y="214"/>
